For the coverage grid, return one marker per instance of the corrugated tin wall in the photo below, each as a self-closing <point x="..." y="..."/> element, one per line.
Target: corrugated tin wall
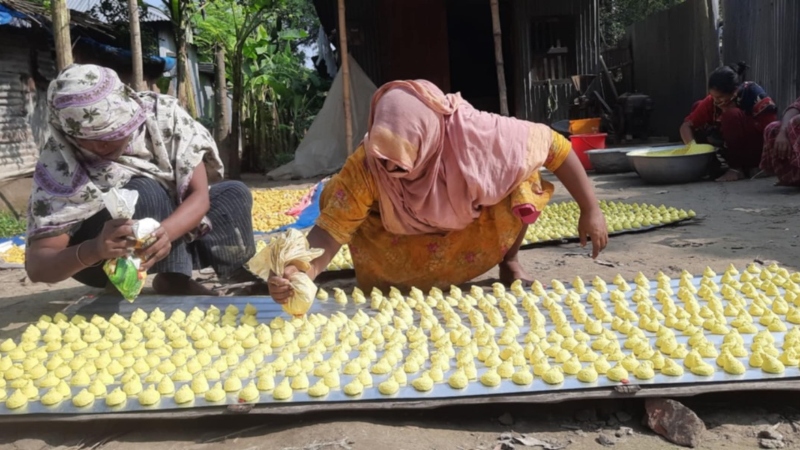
<point x="765" y="34"/>
<point x="365" y="40"/>
<point x="670" y="63"/>
<point x="532" y="96"/>
<point x="23" y="112"/>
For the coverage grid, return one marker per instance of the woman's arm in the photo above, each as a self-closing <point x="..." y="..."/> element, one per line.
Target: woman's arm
<point x="184" y="219"/>
<point x="592" y="223"/>
<point x="790" y="114"/>
<point x="52" y="260"/>
<point x="279" y="286"/>
<point x="319" y="238"/>
<point x="687" y="135"/>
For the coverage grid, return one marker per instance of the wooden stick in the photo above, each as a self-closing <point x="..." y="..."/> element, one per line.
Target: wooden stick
<point x="136" y="46"/>
<point x="61" y="34"/>
<point x="345" y="76"/>
<point x="498" y="57"/>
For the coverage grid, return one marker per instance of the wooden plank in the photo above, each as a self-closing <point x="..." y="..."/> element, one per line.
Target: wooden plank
<point x="690" y="390"/>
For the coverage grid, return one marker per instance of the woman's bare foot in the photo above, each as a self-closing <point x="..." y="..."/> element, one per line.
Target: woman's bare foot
<point x="731" y="175"/>
<point x="179" y="284"/>
<point x="511" y="271"/>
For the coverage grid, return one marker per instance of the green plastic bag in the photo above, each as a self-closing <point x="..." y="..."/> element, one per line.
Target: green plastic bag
<point x="125" y="275"/>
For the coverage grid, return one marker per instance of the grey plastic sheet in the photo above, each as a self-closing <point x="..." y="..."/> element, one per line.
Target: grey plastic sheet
<point x="528" y="244"/>
<point x="267" y="310"/>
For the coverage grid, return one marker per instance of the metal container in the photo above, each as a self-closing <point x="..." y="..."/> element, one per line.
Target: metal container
<point x="611" y="160"/>
<point x="676" y="169"/>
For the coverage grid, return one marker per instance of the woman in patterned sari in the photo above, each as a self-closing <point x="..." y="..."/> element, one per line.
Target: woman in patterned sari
<point x="782" y="147"/>
<point x="732" y="118"/>
<point x="103" y="136"/>
<point x="439" y="193"/>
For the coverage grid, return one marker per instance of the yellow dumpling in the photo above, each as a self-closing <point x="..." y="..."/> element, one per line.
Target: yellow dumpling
<point x="216" y="393"/>
<point x="644" y="371"/>
<point x="355" y="388"/>
<point x="490" y="378"/>
<point x="553" y="376"/>
<point x="703" y="368"/>
<point x="389" y="387"/>
<point x="249" y="393"/>
<point x="166" y="386"/>
<point x="184" y="395"/>
<point x="458" y="380"/>
<point x="319" y="389"/>
<point x="588" y="375"/>
<point x="772" y="365"/>
<point x="617" y="373"/>
<point x="83" y="399"/>
<point x="149" y="396"/>
<point x="522" y="377"/>
<point x="115" y="398"/>
<point x="17" y="400"/>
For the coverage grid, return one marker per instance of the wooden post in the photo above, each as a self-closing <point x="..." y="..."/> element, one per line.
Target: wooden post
<point x="221" y="110"/>
<point x="61" y="33"/>
<point x="498" y="57"/>
<point x="136" y="46"/>
<point x="345" y="76"/>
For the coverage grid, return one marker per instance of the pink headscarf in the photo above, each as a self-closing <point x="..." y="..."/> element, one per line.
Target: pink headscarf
<point x="451" y="159"/>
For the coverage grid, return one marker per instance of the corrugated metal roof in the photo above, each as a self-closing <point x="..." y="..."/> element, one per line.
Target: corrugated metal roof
<point x="764" y="34"/>
<point x="153" y="13"/>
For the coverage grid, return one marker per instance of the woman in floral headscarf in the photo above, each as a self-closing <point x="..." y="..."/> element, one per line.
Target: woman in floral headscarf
<point x="439" y="193"/>
<point x="104" y="135"/>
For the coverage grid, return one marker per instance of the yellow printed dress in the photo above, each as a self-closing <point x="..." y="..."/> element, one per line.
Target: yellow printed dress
<point x="349" y="211"/>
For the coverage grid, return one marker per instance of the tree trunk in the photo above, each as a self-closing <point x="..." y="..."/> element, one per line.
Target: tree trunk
<point x="184" y="82"/>
<point x="61" y="34"/>
<point x="498" y="57"/>
<point x="348" y="120"/>
<point x="234" y="161"/>
<point x="221" y="112"/>
<point x="191" y="99"/>
<point x="136" y="46"/>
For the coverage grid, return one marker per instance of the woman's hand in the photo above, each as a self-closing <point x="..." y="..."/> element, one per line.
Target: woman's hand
<point x="593" y="224"/>
<point x="782" y="144"/>
<point x="156" y="251"/>
<point x="115" y="240"/>
<point x="280" y="288"/>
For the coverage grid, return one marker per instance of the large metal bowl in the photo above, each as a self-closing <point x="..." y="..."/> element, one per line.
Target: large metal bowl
<point x="611" y="160"/>
<point x="671" y="169"/>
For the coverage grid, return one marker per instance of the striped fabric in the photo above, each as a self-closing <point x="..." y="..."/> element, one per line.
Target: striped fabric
<point x="225" y="248"/>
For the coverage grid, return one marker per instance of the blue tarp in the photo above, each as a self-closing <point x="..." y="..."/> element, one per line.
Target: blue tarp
<point x="122" y="54"/>
<point x="309" y="215"/>
<point x="7" y="15"/>
<point x="17" y="240"/>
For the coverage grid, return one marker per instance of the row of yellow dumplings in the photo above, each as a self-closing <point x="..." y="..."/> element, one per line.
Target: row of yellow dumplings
<point x="560" y="220"/>
<point x="393" y="329"/>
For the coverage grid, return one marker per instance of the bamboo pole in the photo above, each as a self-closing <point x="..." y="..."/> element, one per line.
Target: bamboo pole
<point x="61" y="34"/>
<point x="136" y="46"/>
<point x="345" y="76"/>
<point x="498" y="57"/>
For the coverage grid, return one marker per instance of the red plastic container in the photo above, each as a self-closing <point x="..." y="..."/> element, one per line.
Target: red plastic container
<point x="582" y="143"/>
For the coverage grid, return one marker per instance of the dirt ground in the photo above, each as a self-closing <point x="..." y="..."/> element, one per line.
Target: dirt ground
<point x="739" y="223"/>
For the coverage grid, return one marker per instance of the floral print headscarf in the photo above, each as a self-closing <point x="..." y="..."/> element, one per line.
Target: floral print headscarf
<point x="90" y="102"/>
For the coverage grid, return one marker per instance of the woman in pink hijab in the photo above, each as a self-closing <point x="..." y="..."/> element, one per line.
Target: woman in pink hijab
<point x="439" y="193"/>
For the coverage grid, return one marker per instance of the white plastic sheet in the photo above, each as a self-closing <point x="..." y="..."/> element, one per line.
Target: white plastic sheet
<point x="323" y="150"/>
